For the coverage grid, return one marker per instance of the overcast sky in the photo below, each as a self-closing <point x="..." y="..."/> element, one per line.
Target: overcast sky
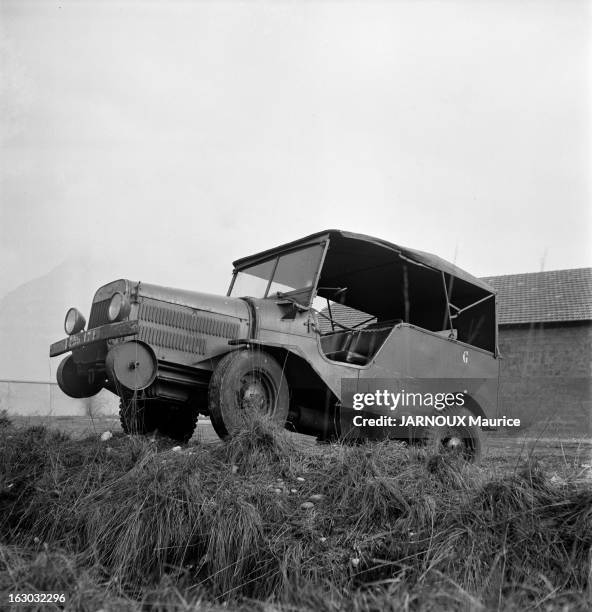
<point x="165" y="139"/>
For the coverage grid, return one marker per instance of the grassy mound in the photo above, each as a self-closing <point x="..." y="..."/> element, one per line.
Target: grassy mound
<point x="258" y="522"/>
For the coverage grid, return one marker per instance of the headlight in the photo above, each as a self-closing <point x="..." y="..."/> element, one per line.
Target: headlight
<point x="119" y="307"/>
<point x="74" y="321"/>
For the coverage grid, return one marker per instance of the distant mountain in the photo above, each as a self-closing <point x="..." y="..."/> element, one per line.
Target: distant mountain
<point x="32" y="316"/>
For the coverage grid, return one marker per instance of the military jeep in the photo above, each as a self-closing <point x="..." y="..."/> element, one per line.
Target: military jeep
<point x="297" y="321"/>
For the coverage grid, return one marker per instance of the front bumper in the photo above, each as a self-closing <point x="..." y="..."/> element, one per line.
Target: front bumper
<point x="90" y="336"/>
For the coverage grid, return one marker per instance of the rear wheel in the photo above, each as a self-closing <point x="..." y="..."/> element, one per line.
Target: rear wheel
<point x="456" y="437"/>
<point x="244" y="383"/>
<point x="142" y="417"/>
<point x="176" y="421"/>
<point x="136" y="416"/>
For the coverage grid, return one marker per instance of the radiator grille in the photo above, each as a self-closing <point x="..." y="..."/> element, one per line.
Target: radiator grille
<point x="182" y="329"/>
<point x="164" y="338"/>
<point x="188" y="321"/>
<point x="98" y="314"/>
<point x="171" y="327"/>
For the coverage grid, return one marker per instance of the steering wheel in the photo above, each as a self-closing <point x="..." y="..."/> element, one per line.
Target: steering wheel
<point x="337" y="291"/>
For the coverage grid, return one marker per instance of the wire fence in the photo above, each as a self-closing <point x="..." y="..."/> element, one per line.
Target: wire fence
<point x="39" y="397"/>
<point x="28" y="382"/>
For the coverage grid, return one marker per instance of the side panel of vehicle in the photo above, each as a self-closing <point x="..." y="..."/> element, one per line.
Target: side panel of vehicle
<point x="407" y="352"/>
<point x="415" y="352"/>
<point x="281" y="326"/>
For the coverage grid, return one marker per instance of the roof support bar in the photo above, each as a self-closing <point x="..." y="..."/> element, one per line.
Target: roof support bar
<point x="459" y="310"/>
<point x="447" y="302"/>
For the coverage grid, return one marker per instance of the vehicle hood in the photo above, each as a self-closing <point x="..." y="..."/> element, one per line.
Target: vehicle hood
<point x="207" y="302"/>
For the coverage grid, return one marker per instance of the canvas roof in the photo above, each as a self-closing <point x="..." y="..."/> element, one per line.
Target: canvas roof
<point x="361" y="242"/>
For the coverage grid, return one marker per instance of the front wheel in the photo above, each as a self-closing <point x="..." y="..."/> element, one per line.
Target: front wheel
<point x="457" y="437"/>
<point x="244" y="383"/>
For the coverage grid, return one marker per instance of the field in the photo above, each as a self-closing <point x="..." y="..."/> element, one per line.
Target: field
<point x="504" y="452"/>
<point x="273" y="521"/>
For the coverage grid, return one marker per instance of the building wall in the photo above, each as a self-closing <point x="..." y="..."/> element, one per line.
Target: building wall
<point x="546" y="377"/>
<point x="47" y="399"/>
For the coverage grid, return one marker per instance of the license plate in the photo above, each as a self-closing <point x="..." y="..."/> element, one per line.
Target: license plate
<point x="92" y="335"/>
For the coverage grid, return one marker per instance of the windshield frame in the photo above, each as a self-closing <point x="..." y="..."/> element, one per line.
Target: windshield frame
<point x="275" y="257"/>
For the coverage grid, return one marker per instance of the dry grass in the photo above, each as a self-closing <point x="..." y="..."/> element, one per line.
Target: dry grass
<point x="132" y="524"/>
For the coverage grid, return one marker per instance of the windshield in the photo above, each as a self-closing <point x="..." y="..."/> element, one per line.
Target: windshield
<point x="292" y="273"/>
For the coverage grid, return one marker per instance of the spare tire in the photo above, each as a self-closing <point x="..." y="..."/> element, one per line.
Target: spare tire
<point x="76" y="385"/>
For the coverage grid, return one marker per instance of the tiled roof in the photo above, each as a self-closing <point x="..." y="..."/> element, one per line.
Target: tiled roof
<point x="344" y="315"/>
<point x="538" y="297"/>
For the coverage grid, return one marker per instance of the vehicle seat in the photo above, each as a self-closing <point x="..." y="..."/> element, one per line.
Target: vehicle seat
<point x="335" y="342"/>
<point x="348" y="357"/>
<point x="362" y="344"/>
<point x="367" y="341"/>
